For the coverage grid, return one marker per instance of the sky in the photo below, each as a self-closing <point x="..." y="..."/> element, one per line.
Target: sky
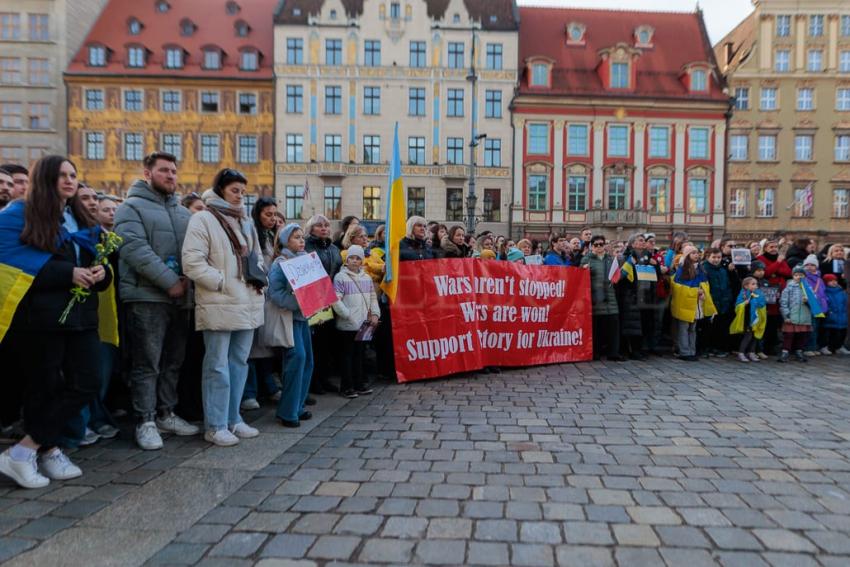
<point x="721" y="16"/>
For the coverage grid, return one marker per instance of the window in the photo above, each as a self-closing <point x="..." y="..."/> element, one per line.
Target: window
<point x="738" y="203"/>
<point x="333" y="52"/>
<point x="539" y="75"/>
<point x="698" y="143"/>
<point x="250" y="61"/>
<point x="133" y="146"/>
<point x="333" y="100"/>
<point x="416" y="102"/>
<point x="371" y="100"/>
<point x="294" y="51"/>
<point x="455" y="103"/>
<point x="415" y="201"/>
<point x="371" y="149"/>
<point x="492" y="152"/>
<point x="538" y="138"/>
<point x="209" y="101"/>
<point x="767" y="147"/>
<point x="39" y="72"/>
<point x="742" y="98"/>
<point x="815" y="61"/>
<point x="537" y="191"/>
<point x="416" y="150"/>
<point x="97" y="56"/>
<point x="454" y="151"/>
<point x="209" y="148"/>
<point x="294" y="99"/>
<point x="493" y="104"/>
<point x="577" y="140"/>
<point x="39" y="28"/>
<point x="842" y="99"/>
<point x="173" y="58"/>
<point x="10" y="70"/>
<point x="10" y="26"/>
<point x="768" y="98"/>
<point x="805" y="99"/>
<point x="133" y="101"/>
<point x="247" y="103"/>
<point x="173" y="144"/>
<point x="39" y="116"/>
<point x="171" y="101"/>
<point x="816" y="25"/>
<point x="94" y="99"/>
<point x="371" y="203"/>
<point x="333" y="201"/>
<point x="765" y="202"/>
<point x="842" y="147"/>
<point x="739" y="147"/>
<point x="803" y="205"/>
<point x="783" y="61"/>
<point x="136" y="57"/>
<point x="698" y="196"/>
<point x="699" y="80"/>
<point x="187" y="28"/>
<point x="845" y="26"/>
<point x="395" y="10"/>
<point x="619" y="75"/>
<point x="493" y="59"/>
<point x="844" y="61"/>
<point x="333" y="148"/>
<point x="232" y="8"/>
<point x="417" y="54"/>
<point x="94" y="146"/>
<point x="783" y="26"/>
<point x="372" y="53"/>
<point x="577" y="193"/>
<point x="618" y="141"/>
<point x="242" y="29"/>
<point x="492" y="205"/>
<point x="658" y="195"/>
<point x="803" y="148"/>
<point x="841" y="203"/>
<point x="294" y="201"/>
<point x="212" y="59"/>
<point x="13" y="154"/>
<point x="294" y="148"/>
<point x="454" y="204"/>
<point x="247" y="149"/>
<point x="659" y="142"/>
<point x="455" y="55"/>
<point x="617" y="193"/>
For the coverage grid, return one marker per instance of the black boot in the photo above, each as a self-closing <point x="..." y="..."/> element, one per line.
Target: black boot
<point x="798" y="354"/>
<point x="783" y="357"/>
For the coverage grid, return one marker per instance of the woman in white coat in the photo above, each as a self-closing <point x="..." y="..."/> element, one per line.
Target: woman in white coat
<point x="221" y="254"/>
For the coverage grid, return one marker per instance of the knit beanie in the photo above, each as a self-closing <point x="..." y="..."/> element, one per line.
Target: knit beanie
<point x="811" y="259"/>
<point x="286" y="232"/>
<point x="830" y="278"/>
<point x="757" y="265"/>
<point x="487" y="254"/>
<point x="515" y="254"/>
<point x="798" y="269"/>
<point x="686" y="251"/>
<point x="355" y="250"/>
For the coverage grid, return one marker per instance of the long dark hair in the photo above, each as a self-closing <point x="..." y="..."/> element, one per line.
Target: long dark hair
<point x="43" y="211"/>
<point x="262" y="232"/>
<point x="689" y="268"/>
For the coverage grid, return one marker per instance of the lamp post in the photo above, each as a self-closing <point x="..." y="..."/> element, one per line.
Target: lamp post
<point x="474" y="139"/>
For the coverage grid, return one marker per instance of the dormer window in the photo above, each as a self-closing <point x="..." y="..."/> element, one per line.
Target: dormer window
<point x="539" y="75"/>
<point x="333" y="15"/>
<point x="296" y="11"/>
<point x="242" y="28"/>
<point x="575" y="33"/>
<point x="135" y="56"/>
<point x="232" y="8"/>
<point x="249" y="61"/>
<point x="699" y="80"/>
<point x="97" y="56"/>
<point x="173" y="58"/>
<point x="162" y="6"/>
<point x="456" y="19"/>
<point x="187" y="27"/>
<point x="134" y="27"/>
<point x="494" y="18"/>
<point x="643" y="36"/>
<point x="620" y="76"/>
<point x="212" y="59"/>
<point x="395" y="10"/>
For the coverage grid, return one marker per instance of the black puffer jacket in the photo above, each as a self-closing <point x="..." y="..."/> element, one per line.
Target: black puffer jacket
<point x="327" y="251"/>
<point x="412" y="249"/>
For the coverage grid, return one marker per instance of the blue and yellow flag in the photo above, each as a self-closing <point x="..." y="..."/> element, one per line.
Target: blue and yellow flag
<point x="812" y="300"/>
<point x="758" y="314"/>
<point x="396" y="225"/>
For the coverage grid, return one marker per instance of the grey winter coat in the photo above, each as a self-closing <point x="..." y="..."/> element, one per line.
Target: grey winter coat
<point x="792" y="307"/>
<point x="153" y="227"/>
<point x="602" y="292"/>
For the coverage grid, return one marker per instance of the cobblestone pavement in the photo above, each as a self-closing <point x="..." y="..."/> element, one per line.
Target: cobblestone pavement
<point x="709" y="463"/>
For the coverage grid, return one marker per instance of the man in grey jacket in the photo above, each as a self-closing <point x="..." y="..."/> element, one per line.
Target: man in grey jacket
<point x="154" y="292"/>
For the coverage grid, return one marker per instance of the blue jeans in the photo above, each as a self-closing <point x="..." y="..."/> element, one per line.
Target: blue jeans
<point x="297" y="371"/>
<point x="812" y="343"/>
<point x="260" y="369"/>
<point x="95" y="414"/>
<point x="225" y="370"/>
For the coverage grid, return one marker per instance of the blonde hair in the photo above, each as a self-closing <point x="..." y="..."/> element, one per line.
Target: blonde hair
<point x="352" y="231"/>
<point x="832" y="249"/>
<point x="314" y="220"/>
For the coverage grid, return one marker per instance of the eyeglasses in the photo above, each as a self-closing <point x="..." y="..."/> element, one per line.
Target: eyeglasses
<point x="598" y="244"/>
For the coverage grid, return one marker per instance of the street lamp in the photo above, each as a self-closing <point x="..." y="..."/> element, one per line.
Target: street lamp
<point x="475" y="138"/>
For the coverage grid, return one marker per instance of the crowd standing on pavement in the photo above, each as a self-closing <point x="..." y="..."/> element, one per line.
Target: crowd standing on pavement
<point x="189" y="317"/>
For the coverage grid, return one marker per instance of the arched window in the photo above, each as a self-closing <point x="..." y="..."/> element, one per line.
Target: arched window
<point x="134" y="26"/>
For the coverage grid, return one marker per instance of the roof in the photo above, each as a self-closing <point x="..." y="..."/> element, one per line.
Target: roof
<point x="215" y="25"/>
<point x="297" y="12"/>
<point x="742" y="39"/>
<point x="679" y="39"/>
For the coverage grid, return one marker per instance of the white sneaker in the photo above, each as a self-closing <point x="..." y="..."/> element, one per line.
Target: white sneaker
<point x="754" y="357"/>
<point x="222" y="438"/>
<point x="811" y="353"/>
<point x="176" y="425"/>
<point x="90" y="439"/>
<point x="825" y="351"/>
<point x="25" y="473"/>
<point x="249" y="404"/>
<point x="147" y="436"/>
<point x="244" y="431"/>
<point x="843" y="350"/>
<point x="276" y="396"/>
<point x="107" y="431"/>
<point x="58" y="466"/>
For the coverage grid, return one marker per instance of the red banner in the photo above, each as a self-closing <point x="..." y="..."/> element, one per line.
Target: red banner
<point x="460" y="315"/>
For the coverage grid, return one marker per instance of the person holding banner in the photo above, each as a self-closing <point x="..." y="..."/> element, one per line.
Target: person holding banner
<point x="606" y="325"/>
<point x="559" y="253"/>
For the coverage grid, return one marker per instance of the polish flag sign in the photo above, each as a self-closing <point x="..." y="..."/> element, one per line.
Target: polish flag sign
<point x="310" y="283"/>
<point x="614" y="273"/>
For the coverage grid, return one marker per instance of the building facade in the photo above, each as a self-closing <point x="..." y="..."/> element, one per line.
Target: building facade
<point x="619" y="123"/>
<point x="348" y="70"/>
<point x="37" y="39"/>
<point x="788" y="67"/>
<point x="190" y="77"/>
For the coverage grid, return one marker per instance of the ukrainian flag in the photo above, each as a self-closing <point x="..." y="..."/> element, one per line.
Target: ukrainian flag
<point x="758" y="314"/>
<point x="396" y="224"/>
<point x="19" y="263"/>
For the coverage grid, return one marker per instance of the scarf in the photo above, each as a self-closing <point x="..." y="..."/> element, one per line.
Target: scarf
<point x="222" y="210"/>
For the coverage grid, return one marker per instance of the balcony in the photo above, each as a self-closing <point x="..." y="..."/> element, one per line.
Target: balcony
<point x="454" y="171"/>
<point x="605" y="217"/>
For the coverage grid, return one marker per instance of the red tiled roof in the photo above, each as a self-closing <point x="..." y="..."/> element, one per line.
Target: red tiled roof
<point x="214" y="27"/>
<point x="678" y="39"/>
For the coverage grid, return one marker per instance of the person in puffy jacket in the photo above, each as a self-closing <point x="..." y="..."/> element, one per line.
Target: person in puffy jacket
<point x="691" y="301"/>
<point x="835" y="324"/>
<point x="606" y="324"/>
<point x="776" y="272"/>
<point x="714" y="331"/>
<point x="414" y="246"/>
<point x="796" y="305"/>
<point x="559" y="253"/>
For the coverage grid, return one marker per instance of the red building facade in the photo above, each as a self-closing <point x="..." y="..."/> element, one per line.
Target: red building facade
<point x="619" y="124"/>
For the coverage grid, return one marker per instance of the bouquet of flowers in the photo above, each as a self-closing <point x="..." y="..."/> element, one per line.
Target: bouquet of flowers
<point x="109" y="243"/>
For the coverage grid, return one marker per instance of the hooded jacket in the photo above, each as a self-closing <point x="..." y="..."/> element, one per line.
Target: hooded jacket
<point x="719" y="281"/>
<point x="280" y="292"/>
<point x="836" y="318"/>
<point x="356" y="297"/>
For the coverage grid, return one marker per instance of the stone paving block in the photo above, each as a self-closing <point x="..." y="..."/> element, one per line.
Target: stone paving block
<point x="334" y="547"/>
<point x="12" y="546"/>
<point x="831" y="542"/>
<point x="483" y="509"/>
<point x="179" y="554"/>
<point x="789" y="559"/>
<point x="584" y="556"/>
<point x="203" y="533"/>
<point x="540" y="532"/>
<point x="637" y="557"/>
<point x="273" y="522"/>
<point x="317" y="523"/>
<point x="239" y="545"/>
<point x="689" y="557"/>
<point x="404" y="527"/>
<point x="654" y="515"/>
<point x="783" y="540"/>
<point x="441" y="552"/>
<point x="641" y="536"/>
<point x="733" y="538"/>
<point x="288" y="545"/>
<point x="397" y="507"/>
<point x="532" y="555"/>
<point x="43" y="528"/>
<point x="684" y="536"/>
<point x="316" y="503"/>
<point x="703" y="517"/>
<point x="480" y="553"/>
<point x="589" y="533"/>
<point x="359" y="524"/>
<point x="740" y="559"/>
<point x="449" y="528"/>
<point x="386" y="551"/>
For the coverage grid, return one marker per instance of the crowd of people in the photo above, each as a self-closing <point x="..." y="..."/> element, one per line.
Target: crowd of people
<point x="177" y="311"/>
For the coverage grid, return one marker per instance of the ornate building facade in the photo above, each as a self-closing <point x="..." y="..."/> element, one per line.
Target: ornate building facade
<point x="619" y="124"/>
<point x="190" y="77"/>
<point x="348" y="70"/>
<point x="788" y="67"/>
